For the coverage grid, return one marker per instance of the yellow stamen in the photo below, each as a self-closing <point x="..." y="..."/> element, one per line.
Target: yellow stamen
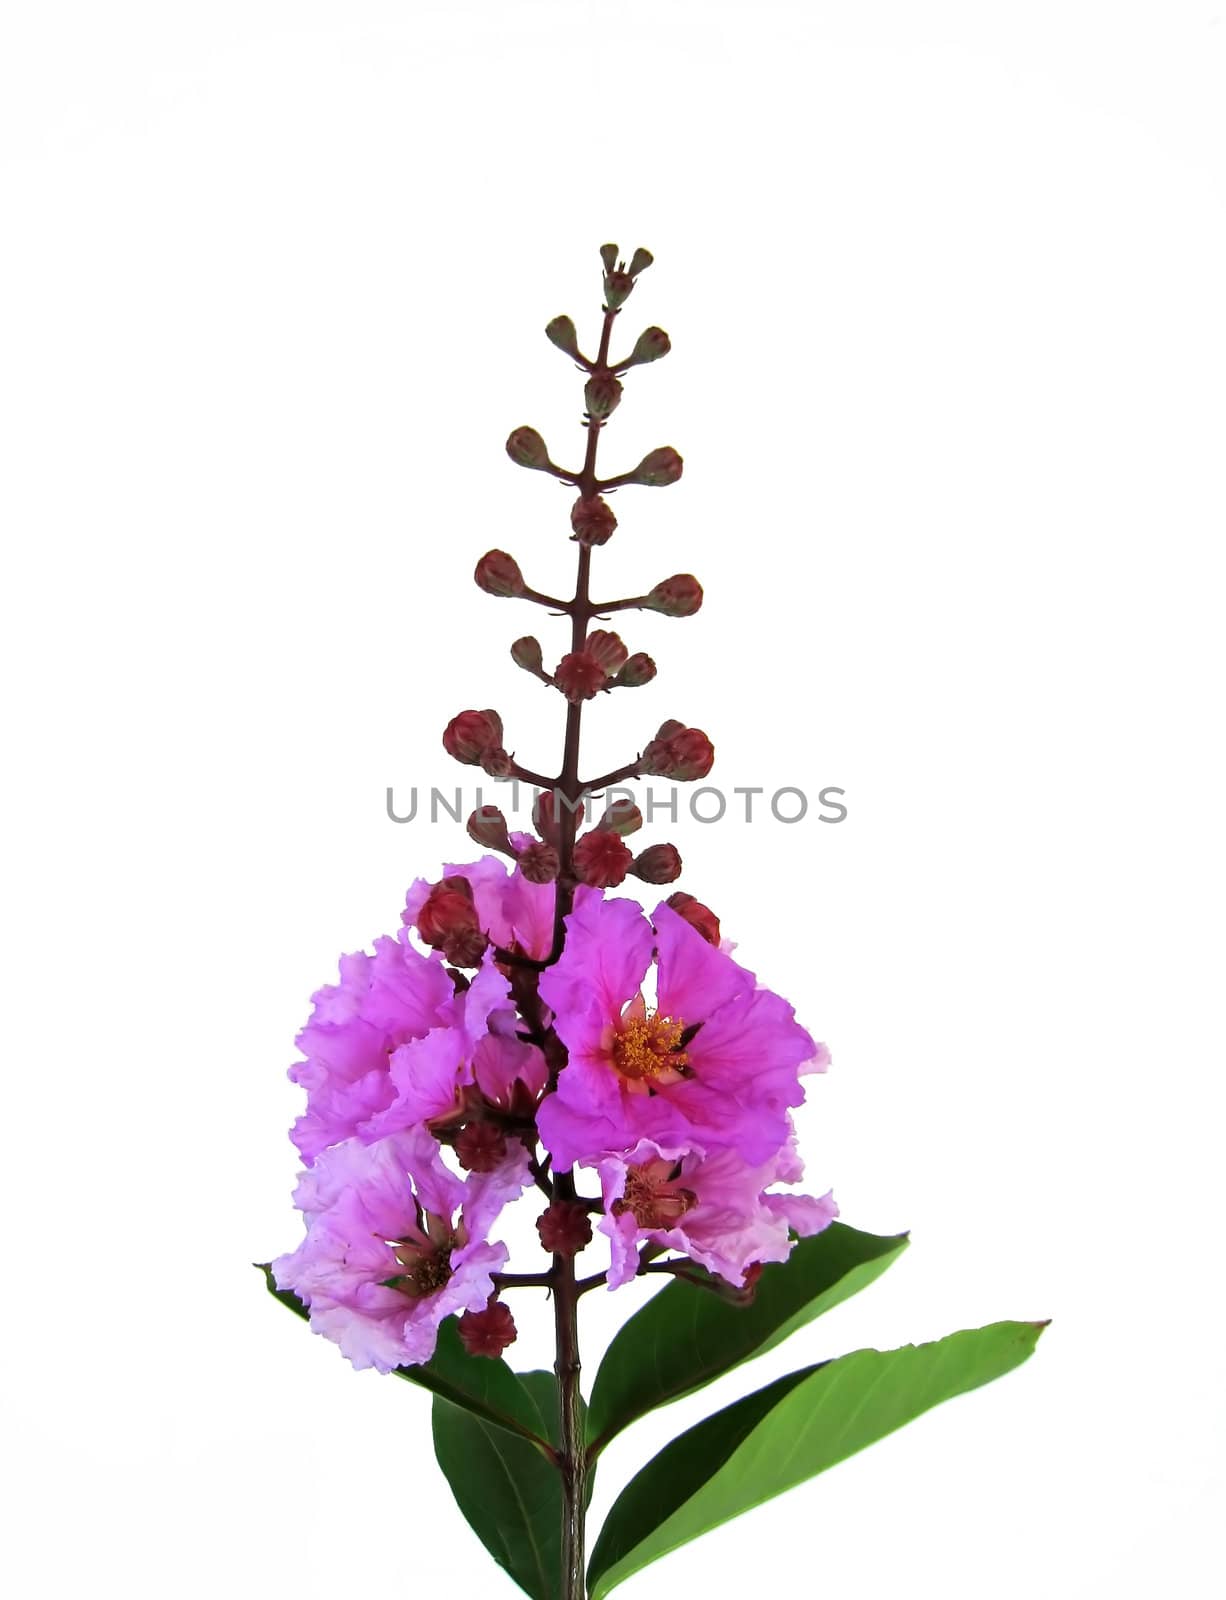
<point x="647" y="1047"/>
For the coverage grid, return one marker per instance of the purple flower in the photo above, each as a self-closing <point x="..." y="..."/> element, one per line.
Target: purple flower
<point x="715" y="1065"/>
<point x="474" y="1044"/>
<point x="395" y="1244"/>
<point x="381" y="1002"/>
<point x="713" y="1209"/>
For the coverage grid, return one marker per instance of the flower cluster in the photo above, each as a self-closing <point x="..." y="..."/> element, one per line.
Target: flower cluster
<point x="525" y="1031"/>
<point x="646" y="1056"/>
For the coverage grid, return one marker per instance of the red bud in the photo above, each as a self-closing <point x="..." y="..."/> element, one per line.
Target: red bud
<point x="468" y="736"/>
<point x="701" y="918"/>
<point x="683" y="754"/>
<point x="679" y="596"/>
<point x="539" y="862"/>
<point x="659" y="863"/>
<point x="448" y="922"/>
<point x="607" y="649"/>
<point x="544" y="816"/>
<point x="592" y="520"/>
<point x="580" y="676"/>
<point x="637" y="671"/>
<point x="480" y="1147"/>
<point x="565" y="1228"/>
<point x="488" y="1332"/>
<point x="601" y="859"/>
<point x="498" y="573"/>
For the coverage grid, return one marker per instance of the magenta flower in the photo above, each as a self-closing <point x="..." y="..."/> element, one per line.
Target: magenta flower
<point x="395" y="1244"/>
<point x="714" y="1209"/>
<point x="475" y="1044"/>
<point x="510" y="910"/>
<point x="381" y="1002"/>
<point x="715" y="1065"/>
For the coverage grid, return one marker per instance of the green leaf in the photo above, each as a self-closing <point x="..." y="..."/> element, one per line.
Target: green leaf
<point x="686" y="1337"/>
<point x="486" y="1388"/>
<point x="510" y="1495"/>
<point x="787" y="1432"/>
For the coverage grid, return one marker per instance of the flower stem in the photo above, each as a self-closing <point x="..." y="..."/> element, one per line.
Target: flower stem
<point x="572" y="1446"/>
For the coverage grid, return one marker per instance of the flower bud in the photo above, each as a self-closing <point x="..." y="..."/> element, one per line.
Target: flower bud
<point x="489" y="1332"/>
<point x="580" y="676"/>
<point x="601" y="395"/>
<point x="601" y="859"/>
<point x="659" y="863"/>
<point x="498" y="573"/>
<point x="640" y="261"/>
<point x="659" y="467"/>
<point x="468" y="736"/>
<point x="565" y="1228"/>
<point x="679" y="596"/>
<point x="608" y="254"/>
<point x="682" y="754"/>
<point x="592" y="520"/>
<point x="561" y="331"/>
<point x="637" y="671"/>
<point x="539" y="862"/>
<point x="480" y="1147"/>
<point x="526" y="653"/>
<point x="488" y="827"/>
<point x="544" y="816"/>
<point x="701" y="918"/>
<point x="623" y="818"/>
<point x="448" y="922"/>
<point x="497" y="762"/>
<point x="526" y="448"/>
<point x="617" y="287"/>
<point x="606" y="648"/>
<point x="650" y="345"/>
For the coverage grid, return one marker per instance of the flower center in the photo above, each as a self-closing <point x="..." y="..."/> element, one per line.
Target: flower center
<point x="647" y="1048"/>
<point x="427" y="1266"/>
<point x="653" y="1195"/>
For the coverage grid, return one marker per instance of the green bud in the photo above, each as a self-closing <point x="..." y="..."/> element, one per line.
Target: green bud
<point x="661" y="467"/>
<point x="651" y="344"/>
<point x="561" y="331"/>
<point x="526" y="653"/>
<point x="526" y="448"/>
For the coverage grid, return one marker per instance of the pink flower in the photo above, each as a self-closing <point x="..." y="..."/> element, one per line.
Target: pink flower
<point x="713" y="1209"/>
<point x="395" y="1244"/>
<point x="381" y="1002"/>
<point x="715" y="1065"/>
<point x="474" y="1044"/>
<point x="510" y="910"/>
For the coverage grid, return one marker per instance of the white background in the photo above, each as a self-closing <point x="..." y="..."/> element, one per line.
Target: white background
<point x="945" y="285"/>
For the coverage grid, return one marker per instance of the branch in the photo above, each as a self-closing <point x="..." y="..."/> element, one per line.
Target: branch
<point x="630" y="770"/>
<point x="603" y="607"/>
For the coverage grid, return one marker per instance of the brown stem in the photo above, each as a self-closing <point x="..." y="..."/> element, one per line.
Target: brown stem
<point x="572" y="1449"/>
<point x="572" y="1445"/>
<point x="602" y="608"/>
<point x="632" y="769"/>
